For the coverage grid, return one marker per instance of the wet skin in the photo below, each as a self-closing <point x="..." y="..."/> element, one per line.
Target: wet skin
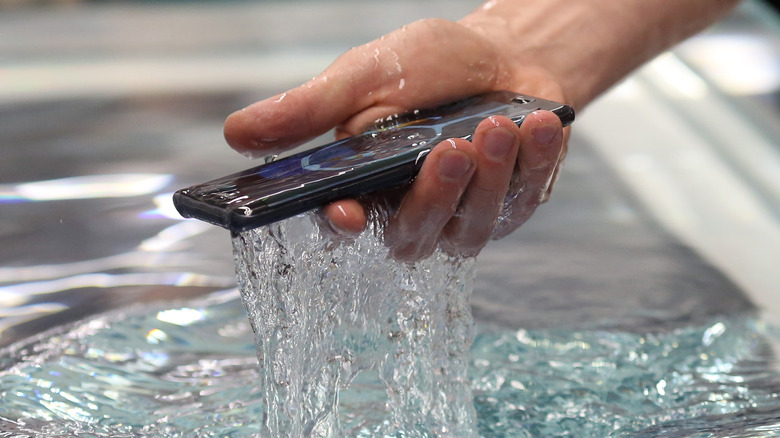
<point x="456" y="198"/>
<point x="558" y="50"/>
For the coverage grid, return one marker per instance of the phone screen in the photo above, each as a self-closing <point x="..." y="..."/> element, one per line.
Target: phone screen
<point x="275" y="182"/>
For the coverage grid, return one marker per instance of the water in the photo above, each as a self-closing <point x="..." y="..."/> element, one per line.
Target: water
<point x="325" y="315"/>
<point x="190" y="368"/>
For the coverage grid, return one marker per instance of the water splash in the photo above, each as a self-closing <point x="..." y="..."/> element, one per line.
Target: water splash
<point x="334" y="325"/>
<point x="190" y="369"/>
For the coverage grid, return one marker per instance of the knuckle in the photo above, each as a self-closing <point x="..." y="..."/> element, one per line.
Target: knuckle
<point x="466" y="241"/>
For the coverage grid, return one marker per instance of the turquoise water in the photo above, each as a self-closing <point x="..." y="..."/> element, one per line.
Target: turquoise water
<point x="190" y="369"/>
<point x="349" y="345"/>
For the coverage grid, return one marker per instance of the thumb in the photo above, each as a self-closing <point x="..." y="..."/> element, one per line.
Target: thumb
<point x="354" y="82"/>
<point x="289" y="119"/>
<point x="386" y="76"/>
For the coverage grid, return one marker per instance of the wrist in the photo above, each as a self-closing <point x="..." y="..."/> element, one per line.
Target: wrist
<point x="586" y="46"/>
<point x="536" y="44"/>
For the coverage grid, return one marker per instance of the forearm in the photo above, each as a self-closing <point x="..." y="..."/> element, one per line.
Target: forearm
<point x="589" y="45"/>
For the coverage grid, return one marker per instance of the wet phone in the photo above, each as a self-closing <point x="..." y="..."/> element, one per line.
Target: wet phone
<point x="388" y="155"/>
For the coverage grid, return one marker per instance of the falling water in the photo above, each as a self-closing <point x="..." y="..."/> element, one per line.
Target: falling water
<point x="351" y="342"/>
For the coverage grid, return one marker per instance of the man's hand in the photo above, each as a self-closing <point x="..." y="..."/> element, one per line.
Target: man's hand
<point x="461" y="189"/>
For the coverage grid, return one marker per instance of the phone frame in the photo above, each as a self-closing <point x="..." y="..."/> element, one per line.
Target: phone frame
<point x="386" y="156"/>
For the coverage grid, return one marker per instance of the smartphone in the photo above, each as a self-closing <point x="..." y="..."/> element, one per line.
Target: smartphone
<point x="388" y="155"/>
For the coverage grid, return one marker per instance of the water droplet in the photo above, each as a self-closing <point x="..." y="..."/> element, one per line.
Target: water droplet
<point x="489" y="5"/>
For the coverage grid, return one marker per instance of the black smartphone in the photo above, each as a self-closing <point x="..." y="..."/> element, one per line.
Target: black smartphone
<point x="388" y="155"/>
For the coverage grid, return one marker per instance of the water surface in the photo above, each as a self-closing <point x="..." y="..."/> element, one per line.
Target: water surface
<point x="384" y="361"/>
<point x="190" y="369"/>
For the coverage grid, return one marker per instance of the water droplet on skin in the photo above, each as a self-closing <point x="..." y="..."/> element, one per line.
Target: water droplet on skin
<point x="248" y="153"/>
<point x="397" y="61"/>
<point x="378" y="56"/>
<point x="401" y="84"/>
<point x="489" y="5"/>
<point x="281" y="98"/>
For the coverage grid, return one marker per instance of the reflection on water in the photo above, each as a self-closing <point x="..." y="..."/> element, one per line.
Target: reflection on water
<point x="189" y="369"/>
<point x="87" y="223"/>
<point x="85" y="187"/>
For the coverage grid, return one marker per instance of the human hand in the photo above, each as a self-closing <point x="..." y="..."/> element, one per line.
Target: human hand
<point x="456" y="199"/>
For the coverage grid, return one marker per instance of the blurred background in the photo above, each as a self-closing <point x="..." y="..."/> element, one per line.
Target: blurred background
<point x="107" y="107"/>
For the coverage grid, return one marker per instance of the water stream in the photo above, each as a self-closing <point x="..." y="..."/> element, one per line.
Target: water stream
<point x="327" y="319"/>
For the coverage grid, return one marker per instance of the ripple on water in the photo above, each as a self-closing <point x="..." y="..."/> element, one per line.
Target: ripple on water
<point x="190" y="369"/>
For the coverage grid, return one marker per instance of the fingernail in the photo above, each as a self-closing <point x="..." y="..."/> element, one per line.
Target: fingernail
<point x="498" y="143"/>
<point x="342" y="221"/>
<point x="544" y="134"/>
<point x="338" y="228"/>
<point x="453" y="165"/>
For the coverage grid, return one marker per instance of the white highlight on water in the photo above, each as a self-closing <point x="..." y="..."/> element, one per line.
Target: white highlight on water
<point x="335" y="324"/>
